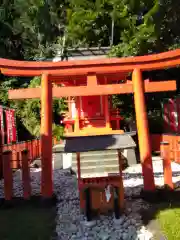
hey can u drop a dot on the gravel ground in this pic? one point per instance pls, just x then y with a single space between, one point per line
70 223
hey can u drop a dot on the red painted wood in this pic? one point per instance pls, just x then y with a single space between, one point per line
26 180
166 117
172 112
29 150
33 146
7 173
46 137
149 62
32 150
78 159
174 145
14 163
170 55
91 107
178 113
165 154
143 131
155 142
108 89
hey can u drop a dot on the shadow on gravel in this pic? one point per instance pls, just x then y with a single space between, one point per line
28 220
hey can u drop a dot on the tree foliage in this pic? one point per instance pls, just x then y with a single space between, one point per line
29 112
37 29
29 30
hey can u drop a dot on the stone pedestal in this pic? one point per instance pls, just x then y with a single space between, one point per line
67 160
130 155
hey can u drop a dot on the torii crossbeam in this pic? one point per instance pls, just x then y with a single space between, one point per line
89 90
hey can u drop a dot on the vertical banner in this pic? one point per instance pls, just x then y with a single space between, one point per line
8 126
165 110
11 126
2 125
13 121
173 115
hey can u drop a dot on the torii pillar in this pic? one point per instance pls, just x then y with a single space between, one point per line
46 137
143 130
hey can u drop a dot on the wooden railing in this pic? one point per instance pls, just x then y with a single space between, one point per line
32 146
174 144
15 156
8 175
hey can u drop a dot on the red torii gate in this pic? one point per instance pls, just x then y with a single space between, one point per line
61 71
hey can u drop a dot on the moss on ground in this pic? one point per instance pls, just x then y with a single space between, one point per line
169 221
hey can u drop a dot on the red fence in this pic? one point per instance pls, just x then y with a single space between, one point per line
174 144
19 155
8 174
33 147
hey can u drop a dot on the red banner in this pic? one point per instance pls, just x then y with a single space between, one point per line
8 126
2 125
172 115
11 126
166 117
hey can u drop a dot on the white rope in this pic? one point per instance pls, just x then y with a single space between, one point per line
108 193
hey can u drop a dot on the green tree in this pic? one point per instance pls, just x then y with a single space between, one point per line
37 29
29 112
29 30
89 23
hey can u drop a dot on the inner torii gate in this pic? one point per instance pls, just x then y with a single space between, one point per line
60 72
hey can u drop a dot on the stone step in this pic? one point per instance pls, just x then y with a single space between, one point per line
91 156
95 159
100 169
97 162
97 174
104 152
94 162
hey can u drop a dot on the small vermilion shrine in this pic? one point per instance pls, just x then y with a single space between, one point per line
95 113
90 127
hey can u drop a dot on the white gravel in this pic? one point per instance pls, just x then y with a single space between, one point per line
69 220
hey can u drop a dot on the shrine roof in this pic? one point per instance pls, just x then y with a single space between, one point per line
83 53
